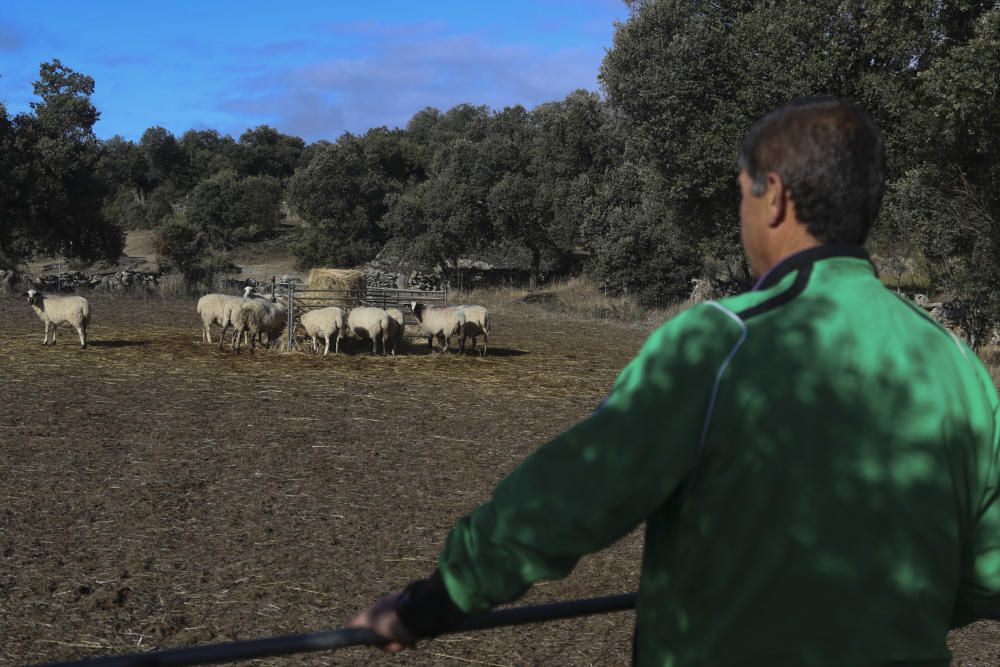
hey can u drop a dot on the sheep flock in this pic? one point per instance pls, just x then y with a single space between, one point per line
258 320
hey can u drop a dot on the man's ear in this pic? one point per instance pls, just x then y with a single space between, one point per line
778 196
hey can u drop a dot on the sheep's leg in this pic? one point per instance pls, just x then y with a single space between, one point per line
206 334
83 337
222 334
54 327
336 348
326 350
45 339
461 343
430 343
486 339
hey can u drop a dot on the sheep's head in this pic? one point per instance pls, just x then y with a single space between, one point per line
34 297
247 291
418 309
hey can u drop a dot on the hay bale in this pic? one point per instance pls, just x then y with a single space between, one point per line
343 279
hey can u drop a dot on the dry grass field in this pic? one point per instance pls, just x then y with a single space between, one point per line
159 493
156 492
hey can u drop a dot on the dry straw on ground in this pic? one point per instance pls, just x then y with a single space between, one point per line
160 493
205 497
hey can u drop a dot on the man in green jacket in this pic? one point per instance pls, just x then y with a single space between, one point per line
816 461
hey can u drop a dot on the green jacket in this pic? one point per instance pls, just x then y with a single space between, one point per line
816 462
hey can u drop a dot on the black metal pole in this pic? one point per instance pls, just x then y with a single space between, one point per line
211 654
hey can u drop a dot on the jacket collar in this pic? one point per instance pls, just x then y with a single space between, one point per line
807 257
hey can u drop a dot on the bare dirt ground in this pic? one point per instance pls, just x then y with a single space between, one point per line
158 493
140 248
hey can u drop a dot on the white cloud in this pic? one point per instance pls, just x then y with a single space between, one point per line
391 72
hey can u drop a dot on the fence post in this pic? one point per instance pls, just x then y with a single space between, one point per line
291 316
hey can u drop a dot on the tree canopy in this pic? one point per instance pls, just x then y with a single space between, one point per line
52 193
689 78
637 186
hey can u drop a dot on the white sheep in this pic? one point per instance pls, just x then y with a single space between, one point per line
258 316
370 322
397 329
56 310
477 323
441 322
217 309
325 323
249 293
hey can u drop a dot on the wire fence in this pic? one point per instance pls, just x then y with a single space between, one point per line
299 299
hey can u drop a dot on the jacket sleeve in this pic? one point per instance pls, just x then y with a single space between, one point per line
979 587
596 482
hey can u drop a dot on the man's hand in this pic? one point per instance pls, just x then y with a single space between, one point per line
382 619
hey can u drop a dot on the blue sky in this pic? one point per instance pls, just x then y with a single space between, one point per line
310 69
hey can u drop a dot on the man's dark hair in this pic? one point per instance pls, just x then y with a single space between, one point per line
830 155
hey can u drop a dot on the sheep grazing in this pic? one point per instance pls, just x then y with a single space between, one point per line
56 310
217 309
369 322
477 323
441 322
397 329
325 323
258 316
